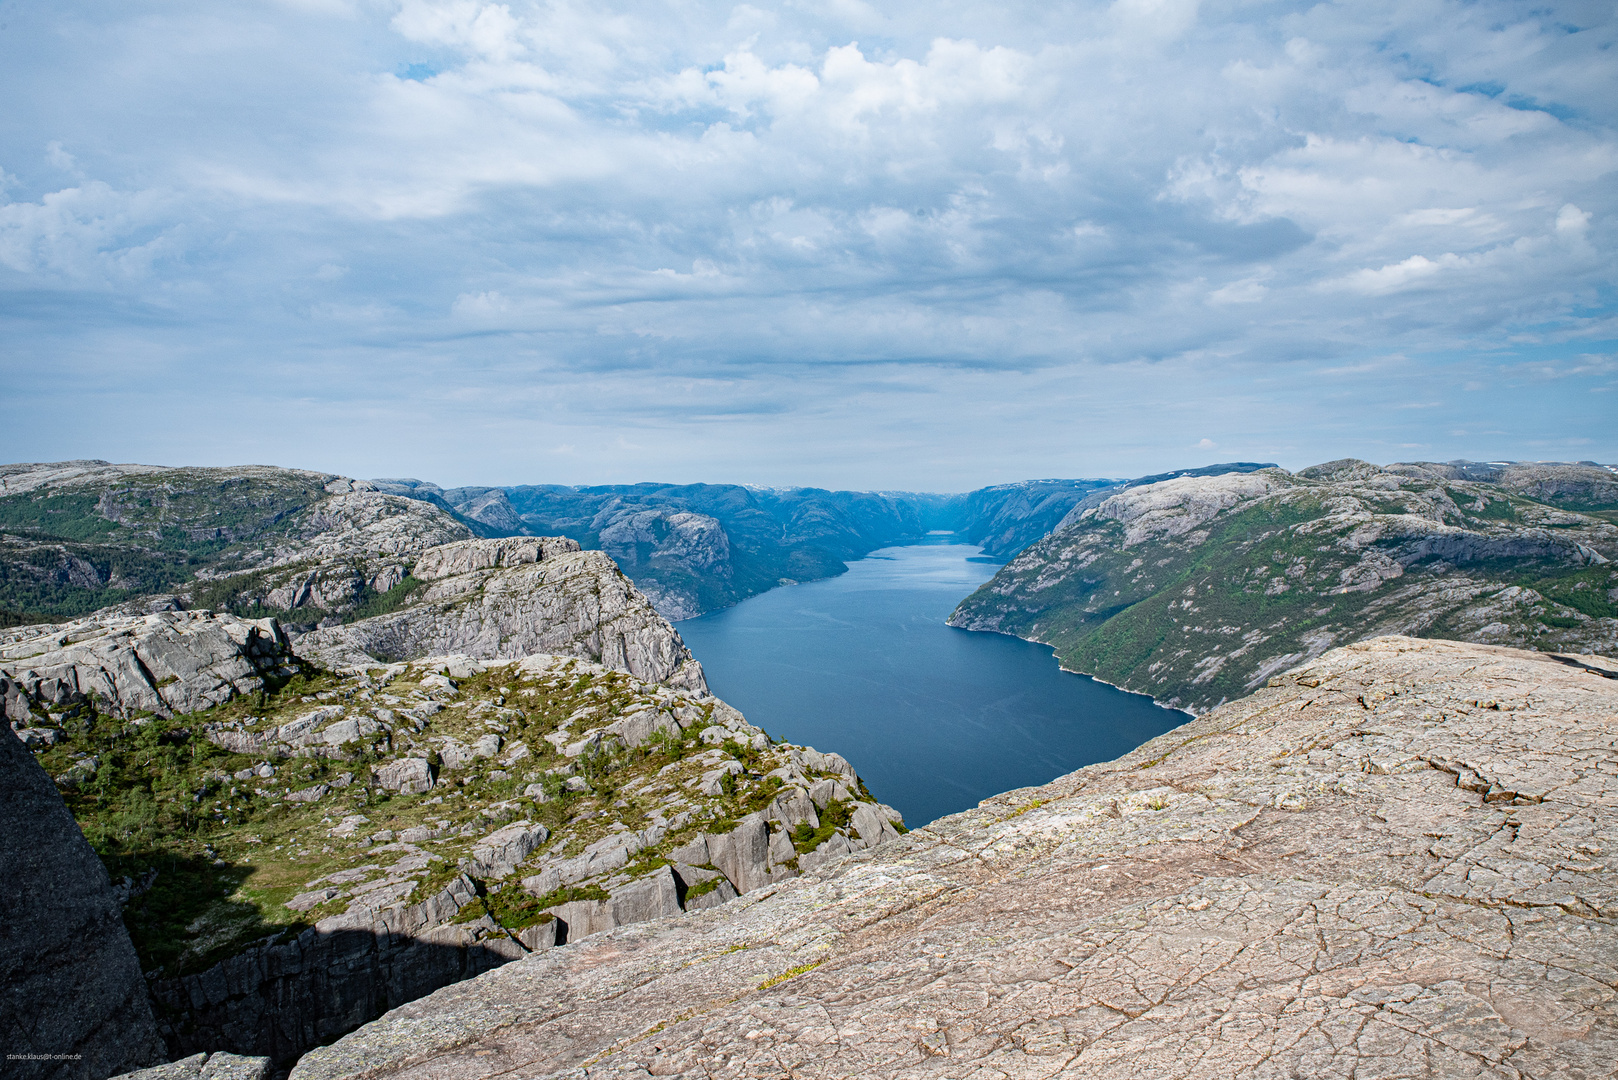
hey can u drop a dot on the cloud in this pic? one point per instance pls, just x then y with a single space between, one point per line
965 229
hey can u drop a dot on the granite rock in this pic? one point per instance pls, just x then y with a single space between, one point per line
1396 861
490 599
166 663
73 1005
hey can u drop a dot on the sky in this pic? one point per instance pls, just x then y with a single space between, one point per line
922 246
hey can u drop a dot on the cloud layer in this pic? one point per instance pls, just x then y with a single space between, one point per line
933 245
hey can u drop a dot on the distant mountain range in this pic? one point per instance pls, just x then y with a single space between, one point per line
699 547
1193 585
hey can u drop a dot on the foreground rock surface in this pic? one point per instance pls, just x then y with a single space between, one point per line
1396 861
72 1000
515 597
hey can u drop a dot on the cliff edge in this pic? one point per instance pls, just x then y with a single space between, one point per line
72 1001
1395 861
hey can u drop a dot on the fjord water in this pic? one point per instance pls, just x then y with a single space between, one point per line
933 718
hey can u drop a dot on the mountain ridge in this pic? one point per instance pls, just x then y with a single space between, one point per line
1195 589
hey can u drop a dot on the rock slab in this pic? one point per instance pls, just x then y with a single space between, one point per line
1400 860
73 1004
165 663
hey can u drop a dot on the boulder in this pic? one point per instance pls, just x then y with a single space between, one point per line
408 776
872 824
503 850
539 936
723 893
792 806
636 728
742 853
823 792
73 1004
646 898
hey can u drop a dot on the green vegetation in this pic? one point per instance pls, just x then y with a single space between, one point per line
836 816
229 850
1194 619
80 550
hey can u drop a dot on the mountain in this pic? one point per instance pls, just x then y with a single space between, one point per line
311 548
1394 862
1195 589
694 548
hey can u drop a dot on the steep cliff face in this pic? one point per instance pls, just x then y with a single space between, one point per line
1396 861
699 547
513 597
1196 589
73 1004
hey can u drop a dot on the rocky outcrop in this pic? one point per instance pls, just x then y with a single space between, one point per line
277 1000
469 556
426 822
513 597
165 663
205 1066
72 1001
1397 861
1196 589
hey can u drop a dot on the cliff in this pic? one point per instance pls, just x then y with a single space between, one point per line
301 850
1395 861
73 1004
513 597
1195 589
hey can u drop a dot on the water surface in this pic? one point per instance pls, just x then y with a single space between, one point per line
933 718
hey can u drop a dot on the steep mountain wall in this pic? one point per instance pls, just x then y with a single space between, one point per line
1197 588
73 1004
1397 861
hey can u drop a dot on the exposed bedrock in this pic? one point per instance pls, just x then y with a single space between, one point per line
278 1000
519 596
1396 861
166 663
72 1001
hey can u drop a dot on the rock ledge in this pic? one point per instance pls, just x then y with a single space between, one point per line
1396 861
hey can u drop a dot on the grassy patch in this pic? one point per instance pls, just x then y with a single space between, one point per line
789 973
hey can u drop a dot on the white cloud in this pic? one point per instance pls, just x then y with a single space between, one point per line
90 233
749 207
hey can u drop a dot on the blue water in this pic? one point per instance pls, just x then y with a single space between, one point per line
933 718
